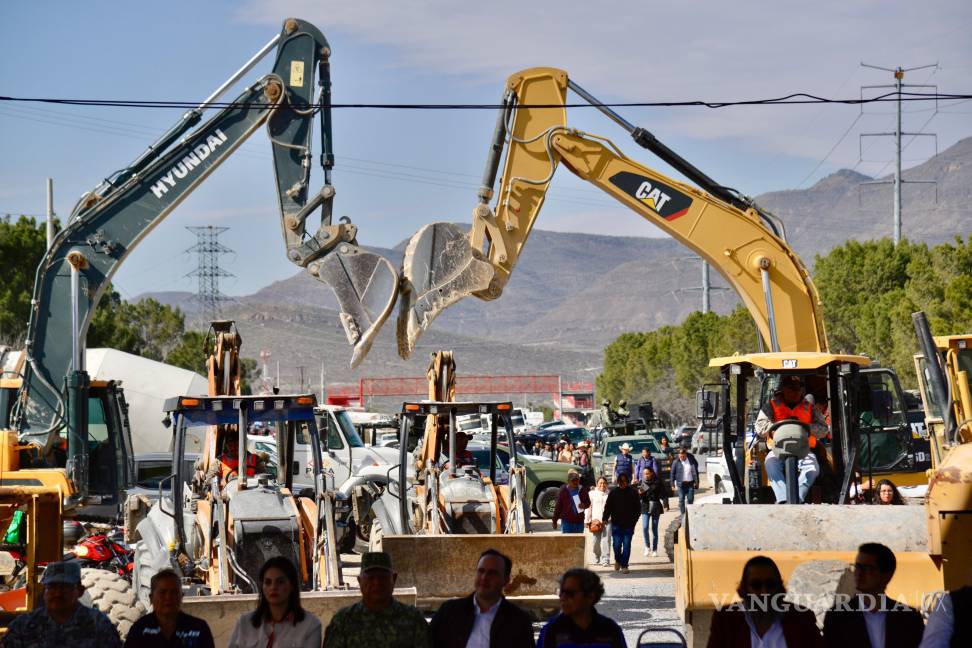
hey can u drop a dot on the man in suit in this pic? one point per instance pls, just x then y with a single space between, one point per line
871 618
763 616
484 619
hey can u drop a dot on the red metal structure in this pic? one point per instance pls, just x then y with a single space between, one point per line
551 384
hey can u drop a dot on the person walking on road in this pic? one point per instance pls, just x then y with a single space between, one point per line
572 500
167 625
485 618
62 621
645 461
279 619
622 510
378 619
579 623
685 478
653 500
594 521
624 464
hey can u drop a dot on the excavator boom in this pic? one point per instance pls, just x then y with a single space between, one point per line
443 264
110 221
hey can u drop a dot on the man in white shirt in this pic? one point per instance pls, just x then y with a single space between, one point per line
484 619
871 618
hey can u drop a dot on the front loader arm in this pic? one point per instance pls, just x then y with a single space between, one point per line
109 222
742 243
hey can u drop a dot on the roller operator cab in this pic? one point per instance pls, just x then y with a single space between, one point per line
864 428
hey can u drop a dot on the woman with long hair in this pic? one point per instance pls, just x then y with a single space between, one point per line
278 620
887 493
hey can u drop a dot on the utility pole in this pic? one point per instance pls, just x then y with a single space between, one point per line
50 212
323 393
706 288
300 369
898 84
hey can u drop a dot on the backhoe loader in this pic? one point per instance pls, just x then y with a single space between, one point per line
53 404
747 245
453 508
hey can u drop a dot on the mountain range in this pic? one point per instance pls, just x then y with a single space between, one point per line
572 293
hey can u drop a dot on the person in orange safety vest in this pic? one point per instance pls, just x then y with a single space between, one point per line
229 460
789 402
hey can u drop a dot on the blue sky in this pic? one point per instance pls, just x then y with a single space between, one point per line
397 170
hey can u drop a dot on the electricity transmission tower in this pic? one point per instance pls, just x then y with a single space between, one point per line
897 181
208 250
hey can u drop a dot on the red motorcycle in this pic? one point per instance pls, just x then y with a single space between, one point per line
103 551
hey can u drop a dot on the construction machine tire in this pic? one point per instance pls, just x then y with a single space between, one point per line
545 501
671 535
374 538
113 595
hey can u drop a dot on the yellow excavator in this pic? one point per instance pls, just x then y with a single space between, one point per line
813 545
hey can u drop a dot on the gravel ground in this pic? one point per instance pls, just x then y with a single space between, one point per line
644 597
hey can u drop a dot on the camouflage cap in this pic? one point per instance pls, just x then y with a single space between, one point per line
62 572
376 560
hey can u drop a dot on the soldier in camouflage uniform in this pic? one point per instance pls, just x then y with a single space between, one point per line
63 621
379 620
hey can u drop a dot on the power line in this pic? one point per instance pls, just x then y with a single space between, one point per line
797 98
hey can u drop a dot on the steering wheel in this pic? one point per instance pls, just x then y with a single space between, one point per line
787 421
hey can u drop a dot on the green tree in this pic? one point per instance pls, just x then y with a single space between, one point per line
22 246
188 352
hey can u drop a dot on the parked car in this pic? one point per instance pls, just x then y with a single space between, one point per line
683 436
706 440
543 477
607 451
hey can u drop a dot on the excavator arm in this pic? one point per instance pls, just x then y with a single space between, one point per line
746 245
110 221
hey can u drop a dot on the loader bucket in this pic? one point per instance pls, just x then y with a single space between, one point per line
441 567
813 545
440 267
366 286
222 611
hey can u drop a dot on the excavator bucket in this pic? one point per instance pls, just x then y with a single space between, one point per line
366 286
440 267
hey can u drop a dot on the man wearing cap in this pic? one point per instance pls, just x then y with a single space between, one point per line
624 464
789 402
378 620
63 621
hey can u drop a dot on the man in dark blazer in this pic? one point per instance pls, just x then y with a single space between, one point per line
484 619
871 618
763 616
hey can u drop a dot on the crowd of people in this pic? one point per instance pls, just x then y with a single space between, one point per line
763 615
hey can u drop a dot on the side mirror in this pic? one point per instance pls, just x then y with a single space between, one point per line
707 403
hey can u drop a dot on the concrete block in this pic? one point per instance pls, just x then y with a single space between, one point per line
444 566
222 612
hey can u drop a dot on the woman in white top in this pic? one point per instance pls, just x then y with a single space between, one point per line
279 621
594 513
